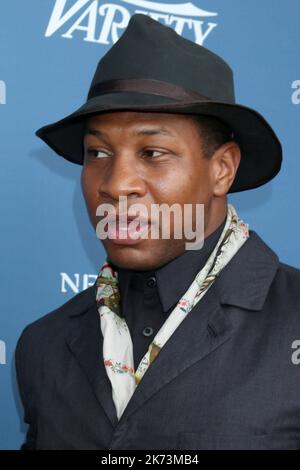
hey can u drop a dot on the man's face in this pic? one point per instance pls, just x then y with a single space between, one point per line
150 158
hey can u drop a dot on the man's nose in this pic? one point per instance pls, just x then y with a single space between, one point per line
122 178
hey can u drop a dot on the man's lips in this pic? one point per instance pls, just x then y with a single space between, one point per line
122 222
122 229
129 218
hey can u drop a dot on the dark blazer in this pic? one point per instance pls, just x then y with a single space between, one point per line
224 380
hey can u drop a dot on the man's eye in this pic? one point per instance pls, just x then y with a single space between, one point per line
152 151
102 154
97 153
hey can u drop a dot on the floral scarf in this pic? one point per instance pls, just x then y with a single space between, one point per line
117 343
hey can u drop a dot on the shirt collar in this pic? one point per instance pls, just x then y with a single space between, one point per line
175 277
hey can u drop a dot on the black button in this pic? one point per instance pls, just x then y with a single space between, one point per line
151 281
147 331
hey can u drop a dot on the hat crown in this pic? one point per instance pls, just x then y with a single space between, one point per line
150 50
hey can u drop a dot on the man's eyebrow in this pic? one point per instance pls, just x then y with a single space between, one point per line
95 132
143 131
154 130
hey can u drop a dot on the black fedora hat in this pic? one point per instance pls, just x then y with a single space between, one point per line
152 68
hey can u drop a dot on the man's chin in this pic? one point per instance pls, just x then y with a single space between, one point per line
143 256
131 258
122 255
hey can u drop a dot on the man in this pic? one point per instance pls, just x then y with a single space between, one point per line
171 348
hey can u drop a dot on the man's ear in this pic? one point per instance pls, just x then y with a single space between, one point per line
225 163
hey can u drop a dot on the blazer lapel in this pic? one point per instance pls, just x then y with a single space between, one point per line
203 330
85 342
244 282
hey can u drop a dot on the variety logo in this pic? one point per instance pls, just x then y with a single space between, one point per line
104 23
2 352
77 282
296 94
2 92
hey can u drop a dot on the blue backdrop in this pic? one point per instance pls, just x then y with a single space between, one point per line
49 51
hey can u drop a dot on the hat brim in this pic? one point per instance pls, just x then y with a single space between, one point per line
260 148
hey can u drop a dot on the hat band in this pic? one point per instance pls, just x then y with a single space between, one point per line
144 85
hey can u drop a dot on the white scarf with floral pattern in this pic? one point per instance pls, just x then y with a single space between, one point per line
117 343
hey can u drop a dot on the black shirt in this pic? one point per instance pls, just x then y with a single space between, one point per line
148 297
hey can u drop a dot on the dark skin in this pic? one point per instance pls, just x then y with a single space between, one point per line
153 168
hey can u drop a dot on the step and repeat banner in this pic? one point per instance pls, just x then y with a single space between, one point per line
49 51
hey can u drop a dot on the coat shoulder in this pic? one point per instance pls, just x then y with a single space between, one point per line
289 276
285 291
291 271
53 323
